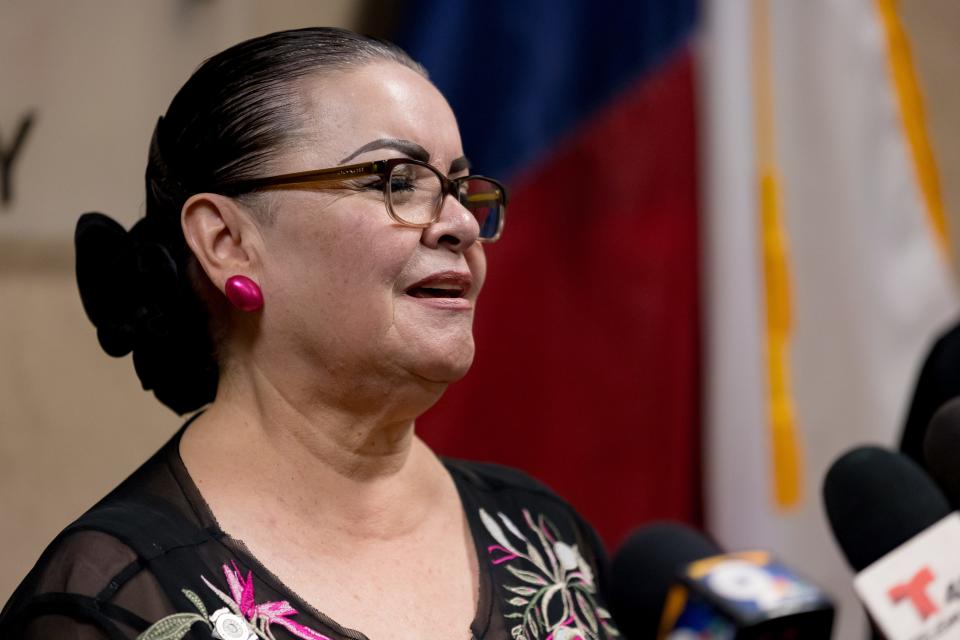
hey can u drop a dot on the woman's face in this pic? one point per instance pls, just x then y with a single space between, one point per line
343 283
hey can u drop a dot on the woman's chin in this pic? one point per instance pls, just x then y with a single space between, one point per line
446 367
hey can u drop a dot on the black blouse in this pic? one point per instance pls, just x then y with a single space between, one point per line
149 561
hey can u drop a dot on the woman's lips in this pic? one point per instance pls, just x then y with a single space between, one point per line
443 290
443 284
450 304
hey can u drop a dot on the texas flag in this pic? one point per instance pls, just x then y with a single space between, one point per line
587 371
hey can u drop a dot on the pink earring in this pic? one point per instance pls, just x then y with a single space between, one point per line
243 293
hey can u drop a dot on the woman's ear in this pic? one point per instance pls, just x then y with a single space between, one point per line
222 236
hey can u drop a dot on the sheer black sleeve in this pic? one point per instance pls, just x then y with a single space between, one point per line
88 585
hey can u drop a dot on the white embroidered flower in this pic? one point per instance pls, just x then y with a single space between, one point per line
570 559
567 554
230 626
566 633
585 568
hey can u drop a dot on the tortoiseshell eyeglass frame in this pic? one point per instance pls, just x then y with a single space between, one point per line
383 169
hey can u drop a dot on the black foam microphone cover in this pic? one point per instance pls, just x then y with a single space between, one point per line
876 500
938 382
941 449
644 568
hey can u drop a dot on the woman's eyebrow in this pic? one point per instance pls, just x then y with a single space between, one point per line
406 147
460 164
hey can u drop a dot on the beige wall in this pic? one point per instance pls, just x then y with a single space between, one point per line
73 421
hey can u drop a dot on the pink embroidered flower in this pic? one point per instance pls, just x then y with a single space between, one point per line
241 619
241 600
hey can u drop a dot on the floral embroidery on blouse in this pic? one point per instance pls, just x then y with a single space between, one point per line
555 597
241 619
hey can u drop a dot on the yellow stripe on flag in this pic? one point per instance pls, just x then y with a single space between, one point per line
784 438
911 113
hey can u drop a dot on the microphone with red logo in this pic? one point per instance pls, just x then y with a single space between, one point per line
898 533
667 581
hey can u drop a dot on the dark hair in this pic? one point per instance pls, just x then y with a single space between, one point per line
234 114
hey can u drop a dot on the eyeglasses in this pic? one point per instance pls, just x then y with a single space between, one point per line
413 191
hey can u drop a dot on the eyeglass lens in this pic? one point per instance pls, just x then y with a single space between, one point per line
416 195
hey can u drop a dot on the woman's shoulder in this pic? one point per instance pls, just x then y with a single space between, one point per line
547 563
96 578
79 562
88 584
493 477
509 492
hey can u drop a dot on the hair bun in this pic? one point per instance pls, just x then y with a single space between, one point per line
104 252
125 283
134 295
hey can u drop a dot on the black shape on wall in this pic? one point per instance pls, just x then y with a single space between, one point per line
8 157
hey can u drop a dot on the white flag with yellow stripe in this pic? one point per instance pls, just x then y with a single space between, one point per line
826 265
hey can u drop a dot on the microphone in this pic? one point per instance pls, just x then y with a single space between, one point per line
897 531
941 447
938 382
668 581
643 570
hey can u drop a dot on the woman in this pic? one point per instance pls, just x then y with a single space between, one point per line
308 267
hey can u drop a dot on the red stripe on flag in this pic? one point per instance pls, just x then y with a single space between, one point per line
587 366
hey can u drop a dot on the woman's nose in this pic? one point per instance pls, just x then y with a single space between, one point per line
456 228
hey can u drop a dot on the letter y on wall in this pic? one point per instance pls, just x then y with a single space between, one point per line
9 153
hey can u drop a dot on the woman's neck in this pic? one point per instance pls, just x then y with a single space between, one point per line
363 471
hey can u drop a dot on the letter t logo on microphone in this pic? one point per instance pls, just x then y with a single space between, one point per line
915 590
